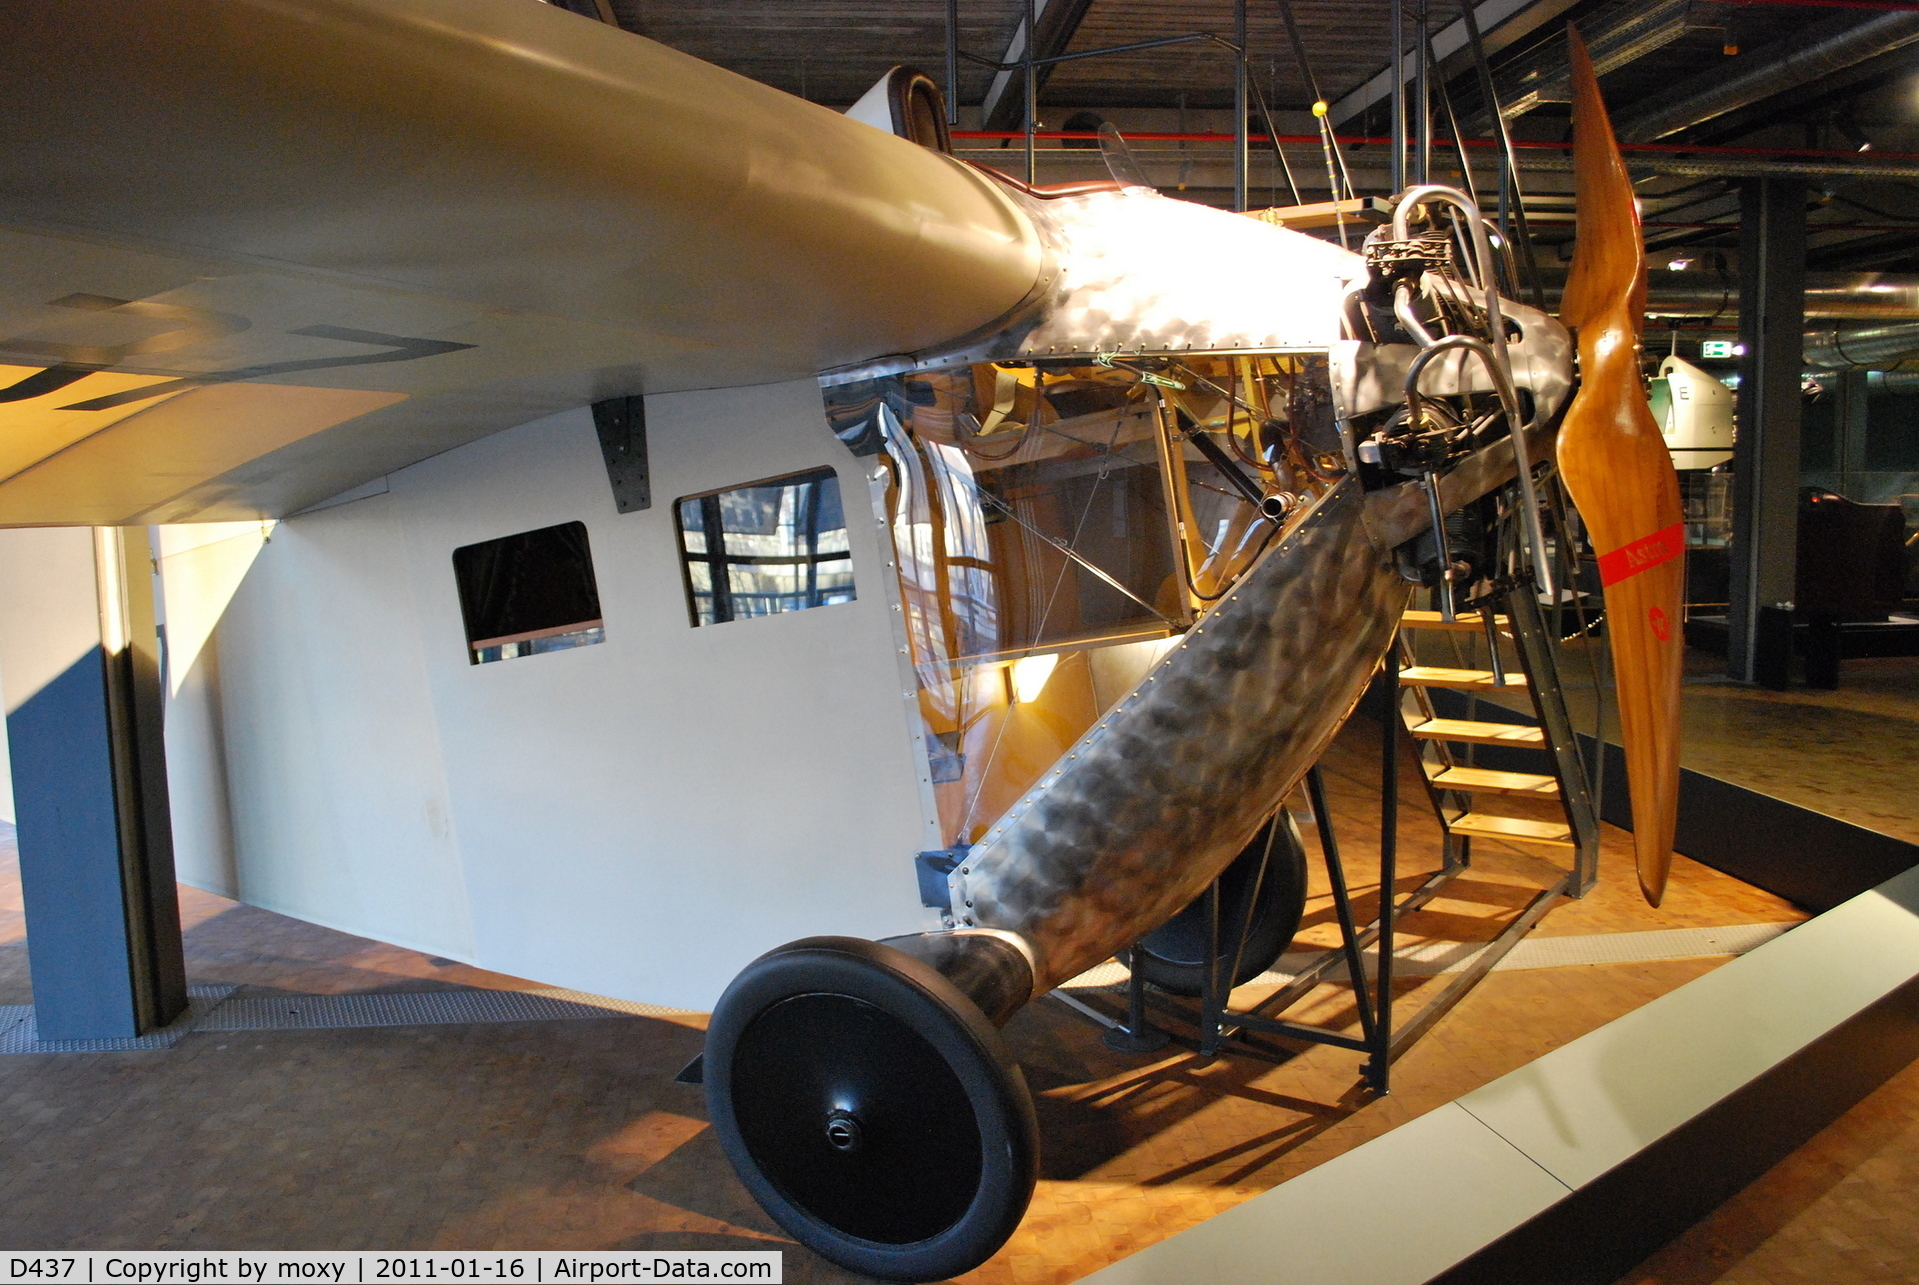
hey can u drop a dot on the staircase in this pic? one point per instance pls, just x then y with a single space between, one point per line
1467 798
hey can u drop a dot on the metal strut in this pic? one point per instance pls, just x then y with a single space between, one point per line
1382 1038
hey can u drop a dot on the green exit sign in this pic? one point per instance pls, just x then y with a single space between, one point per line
1716 349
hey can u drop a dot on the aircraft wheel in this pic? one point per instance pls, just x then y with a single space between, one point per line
1170 957
871 1109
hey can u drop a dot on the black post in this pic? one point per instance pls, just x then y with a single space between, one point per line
1211 1004
952 62
1772 312
1240 107
1378 1067
1398 30
1423 110
1138 1035
1032 85
1854 418
1342 902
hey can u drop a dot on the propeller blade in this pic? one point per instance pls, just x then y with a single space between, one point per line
1621 476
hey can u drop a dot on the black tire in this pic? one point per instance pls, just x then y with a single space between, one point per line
871 1109
1172 955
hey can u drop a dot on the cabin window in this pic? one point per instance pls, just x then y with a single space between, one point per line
529 593
772 546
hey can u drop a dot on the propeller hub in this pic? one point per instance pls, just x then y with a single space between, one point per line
843 1131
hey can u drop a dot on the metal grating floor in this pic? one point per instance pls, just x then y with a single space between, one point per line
17 1033
215 1008
425 1008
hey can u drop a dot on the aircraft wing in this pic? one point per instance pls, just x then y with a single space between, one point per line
256 252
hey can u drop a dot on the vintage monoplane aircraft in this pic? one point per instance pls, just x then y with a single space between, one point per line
1114 502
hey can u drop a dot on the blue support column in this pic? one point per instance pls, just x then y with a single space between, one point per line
80 673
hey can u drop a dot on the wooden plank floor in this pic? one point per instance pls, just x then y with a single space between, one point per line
571 1134
1842 1209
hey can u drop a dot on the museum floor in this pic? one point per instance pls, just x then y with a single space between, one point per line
570 1133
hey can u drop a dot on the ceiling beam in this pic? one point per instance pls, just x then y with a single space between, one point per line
1544 75
1863 252
1806 57
1004 106
1504 22
1810 102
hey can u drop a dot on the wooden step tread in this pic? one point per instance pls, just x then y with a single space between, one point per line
1470 620
1482 780
1488 826
1460 729
1460 679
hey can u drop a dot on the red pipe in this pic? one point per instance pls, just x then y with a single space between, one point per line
1896 5
1734 227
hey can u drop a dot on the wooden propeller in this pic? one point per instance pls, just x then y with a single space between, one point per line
1621 476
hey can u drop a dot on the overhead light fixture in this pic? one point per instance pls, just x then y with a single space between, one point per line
1679 265
1030 675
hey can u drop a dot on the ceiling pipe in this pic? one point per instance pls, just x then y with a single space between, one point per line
1892 381
1693 167
1869 346
1782 66
1830 296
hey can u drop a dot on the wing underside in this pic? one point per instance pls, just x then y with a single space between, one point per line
256 252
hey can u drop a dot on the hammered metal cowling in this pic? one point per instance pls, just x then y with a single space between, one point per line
1153 802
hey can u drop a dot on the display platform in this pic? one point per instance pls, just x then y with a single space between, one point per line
1574 1167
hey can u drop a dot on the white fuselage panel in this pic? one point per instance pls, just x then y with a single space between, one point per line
637 818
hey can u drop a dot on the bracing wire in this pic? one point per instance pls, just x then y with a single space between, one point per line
1272 131
1329 146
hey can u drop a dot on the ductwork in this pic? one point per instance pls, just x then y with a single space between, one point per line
1830 296
1778 68
1892 381
1736 167
1870 346
1545 77
1844 296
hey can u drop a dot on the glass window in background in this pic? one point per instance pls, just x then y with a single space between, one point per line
773 546
524 594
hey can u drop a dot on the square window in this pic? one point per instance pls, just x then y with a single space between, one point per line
528 593
777 545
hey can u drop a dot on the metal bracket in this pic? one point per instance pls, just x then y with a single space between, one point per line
621 424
